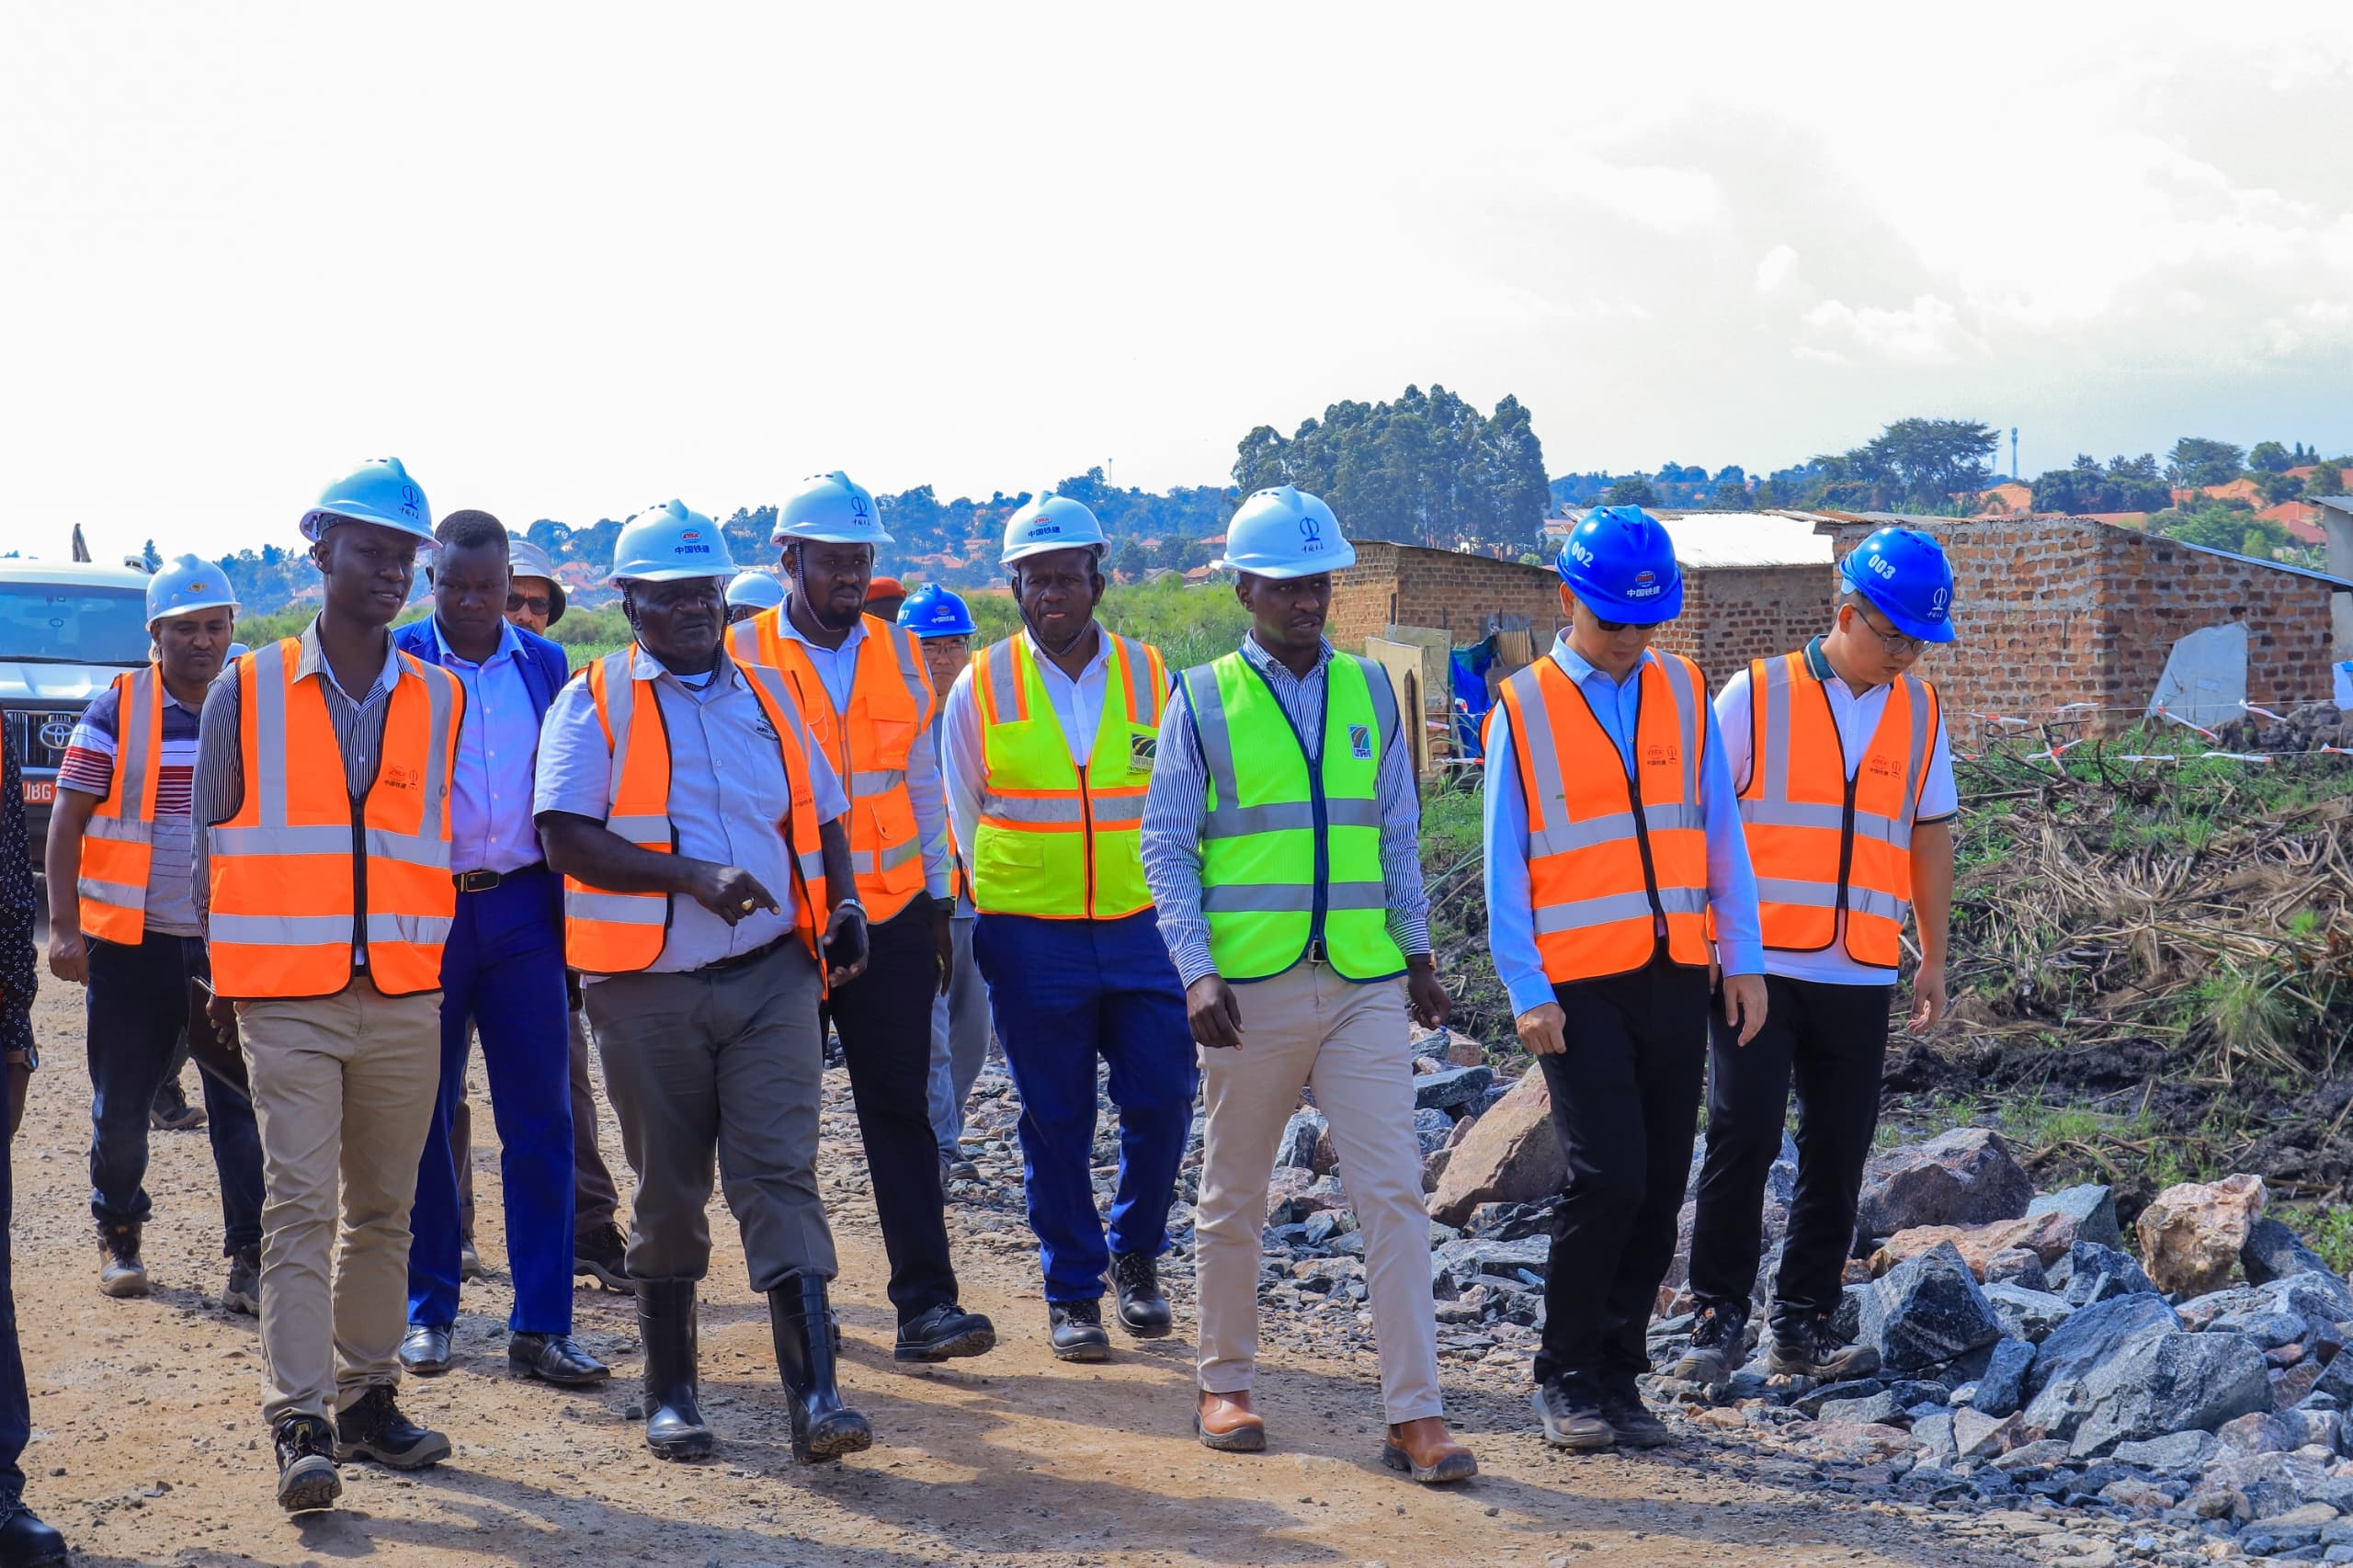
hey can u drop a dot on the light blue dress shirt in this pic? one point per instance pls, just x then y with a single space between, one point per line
1511 925
490 793
728 795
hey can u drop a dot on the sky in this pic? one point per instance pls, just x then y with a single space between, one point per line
571 261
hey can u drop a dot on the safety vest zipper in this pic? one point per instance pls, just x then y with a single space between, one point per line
1086 838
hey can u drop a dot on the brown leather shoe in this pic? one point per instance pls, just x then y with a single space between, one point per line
1426 1450
1227 1423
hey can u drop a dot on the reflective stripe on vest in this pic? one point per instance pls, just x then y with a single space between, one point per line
889 712
289 869
118 843
619 933
1291 853
1612 859
1820 841
1051 841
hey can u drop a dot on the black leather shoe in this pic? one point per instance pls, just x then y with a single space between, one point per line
555 1358
803 1323
306 1475
1143 1311
374 1428
603 1255
665 1321
26 1542
424 1350
1078 1331
944 1332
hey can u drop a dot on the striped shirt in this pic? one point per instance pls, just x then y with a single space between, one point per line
1180 798
88 766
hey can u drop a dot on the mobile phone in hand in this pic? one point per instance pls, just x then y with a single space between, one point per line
847 949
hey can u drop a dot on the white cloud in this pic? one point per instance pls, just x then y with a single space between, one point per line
1775 268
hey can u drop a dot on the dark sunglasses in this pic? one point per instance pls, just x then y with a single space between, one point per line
537 603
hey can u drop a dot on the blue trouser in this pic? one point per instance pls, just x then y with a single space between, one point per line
1063 993
138 1006
502 970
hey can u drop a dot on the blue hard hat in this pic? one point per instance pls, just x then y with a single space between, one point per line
933 611
1621 563
1904 574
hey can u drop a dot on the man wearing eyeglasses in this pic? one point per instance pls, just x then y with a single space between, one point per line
1847 794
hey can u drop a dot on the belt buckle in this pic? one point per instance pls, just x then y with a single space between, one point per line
1316 954
476 881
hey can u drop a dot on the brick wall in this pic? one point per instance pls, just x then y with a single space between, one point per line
2054 610
1407 585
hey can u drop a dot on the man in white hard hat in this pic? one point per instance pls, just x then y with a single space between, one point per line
698 827
750 592
326 955
123 921
868 702
1048 741
1281 838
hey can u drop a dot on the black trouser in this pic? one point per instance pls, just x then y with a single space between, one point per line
1831 1040
1626 1104
885 1018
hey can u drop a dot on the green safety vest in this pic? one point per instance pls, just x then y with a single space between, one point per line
1290 854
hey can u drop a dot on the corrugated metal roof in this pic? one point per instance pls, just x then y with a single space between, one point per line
1725 539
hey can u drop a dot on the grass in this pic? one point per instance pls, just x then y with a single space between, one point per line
2327 1228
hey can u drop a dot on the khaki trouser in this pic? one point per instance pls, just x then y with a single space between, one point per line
1309 1026
343 1088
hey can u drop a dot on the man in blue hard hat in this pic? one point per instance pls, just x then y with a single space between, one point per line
1618 889
1846 791
943 626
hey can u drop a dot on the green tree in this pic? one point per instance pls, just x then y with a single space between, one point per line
1730 497
2328 479
2270 457
2279 487
1922 465
1128 561
2197 462
1635 492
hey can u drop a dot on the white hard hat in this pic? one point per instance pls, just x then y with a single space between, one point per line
664 543
758 589
378 491
1051 522
833 509
187 582
1285 532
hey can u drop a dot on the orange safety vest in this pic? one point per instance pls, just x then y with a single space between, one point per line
619 932
891 705
1611 856
1821 841
118 844
303 872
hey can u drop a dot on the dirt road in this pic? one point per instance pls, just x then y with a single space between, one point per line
148 1446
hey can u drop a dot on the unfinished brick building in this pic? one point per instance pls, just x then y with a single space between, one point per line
2054 611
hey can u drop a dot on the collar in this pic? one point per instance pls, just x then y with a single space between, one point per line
511 645
1045 662
643 665
784 628
1256 651
1577 668
313 662
1817 664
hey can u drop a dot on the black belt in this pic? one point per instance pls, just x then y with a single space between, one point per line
483 881
755 956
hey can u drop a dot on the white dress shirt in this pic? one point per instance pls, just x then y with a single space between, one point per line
1078 707
490 791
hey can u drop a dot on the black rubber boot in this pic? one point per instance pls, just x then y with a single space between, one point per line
665 1321
823 1427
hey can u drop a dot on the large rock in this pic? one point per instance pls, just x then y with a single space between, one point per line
2091 1336
2030 1315
2002 1390
2191 1236
1301 1134
1513 1156
2091 1206
1926 1311
2174 1383
2094 1273
2176 1451
1455 1086
2048 1238
1962 1177
2274 1252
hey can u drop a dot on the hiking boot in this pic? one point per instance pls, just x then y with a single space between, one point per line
1807 1348
27 1543
1572 1419
306 1473
120 1271
956 1167
1426 1450
1143 1311
171 1112
468 1261
372 1428
666 1325
802 1322
1633 1421
1078 1329
942 1331
603 1253
1719 1336
242 1292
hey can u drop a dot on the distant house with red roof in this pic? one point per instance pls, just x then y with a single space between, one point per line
2002 500
2301 519
2245 490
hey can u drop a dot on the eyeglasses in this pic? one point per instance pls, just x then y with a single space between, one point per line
1894 642
537 603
